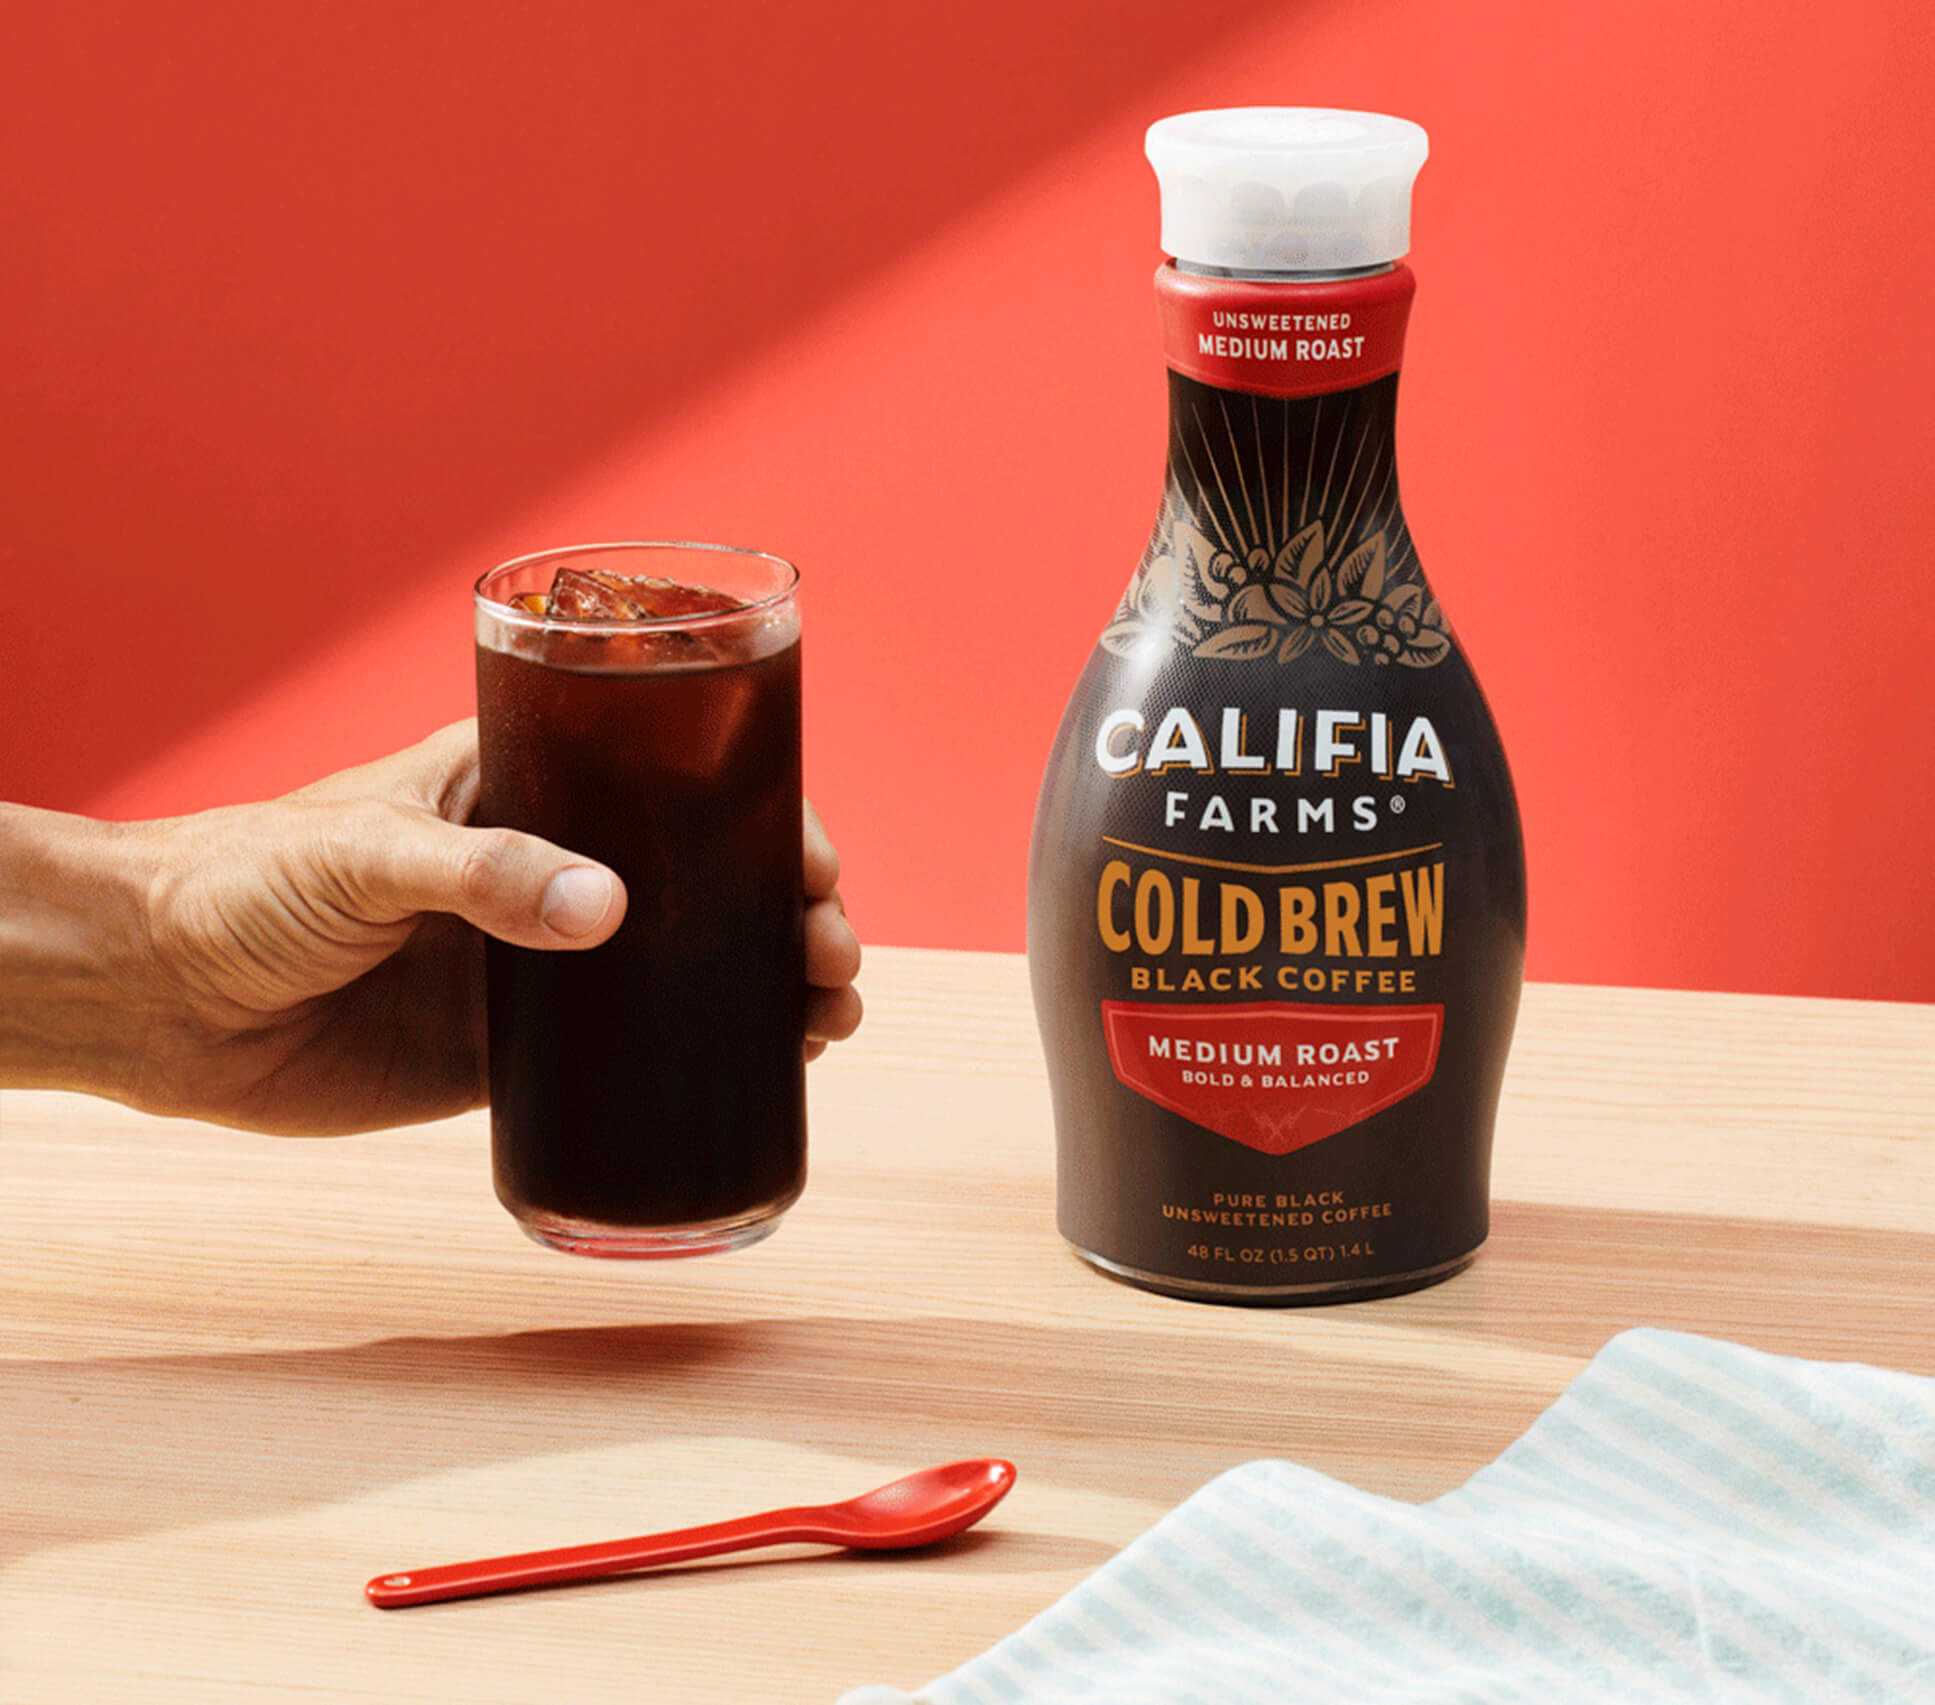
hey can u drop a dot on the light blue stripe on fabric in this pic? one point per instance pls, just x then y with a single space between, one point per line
1421 1634
1699 1514
1570 1589
1314 1637
1783 1496
1799 1455
1022 1659
1736 1520
1172 1591
1294 1629
1417 1632
1570 1594
1730 1547
1669 1609
1691 1520
1376 1635
1158 1572
1288 1579
1763 1492
1891 1457
1457 1579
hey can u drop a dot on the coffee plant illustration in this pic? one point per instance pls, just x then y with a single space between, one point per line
1194 594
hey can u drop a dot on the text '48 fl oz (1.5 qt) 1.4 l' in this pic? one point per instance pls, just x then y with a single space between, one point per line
1276 920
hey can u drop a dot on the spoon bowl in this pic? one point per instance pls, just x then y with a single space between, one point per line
920 1509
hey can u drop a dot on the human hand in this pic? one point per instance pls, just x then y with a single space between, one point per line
311 964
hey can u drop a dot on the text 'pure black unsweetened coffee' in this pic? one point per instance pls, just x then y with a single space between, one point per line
1276 916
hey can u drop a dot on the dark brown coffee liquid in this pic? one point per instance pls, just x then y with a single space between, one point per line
655 1080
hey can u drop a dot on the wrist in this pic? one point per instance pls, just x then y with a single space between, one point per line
78 994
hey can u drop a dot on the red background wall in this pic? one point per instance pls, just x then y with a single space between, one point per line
309 312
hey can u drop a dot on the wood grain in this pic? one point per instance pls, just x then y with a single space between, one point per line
241 1375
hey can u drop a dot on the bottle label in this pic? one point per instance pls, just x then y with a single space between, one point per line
1273 1076
1283 339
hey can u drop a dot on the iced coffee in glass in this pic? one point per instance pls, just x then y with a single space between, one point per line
640 704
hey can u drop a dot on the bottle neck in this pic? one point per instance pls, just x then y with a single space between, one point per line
1283 408
1283 335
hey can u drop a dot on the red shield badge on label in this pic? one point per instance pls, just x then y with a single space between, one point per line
1275 1076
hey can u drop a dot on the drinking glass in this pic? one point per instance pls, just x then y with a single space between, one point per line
647 1095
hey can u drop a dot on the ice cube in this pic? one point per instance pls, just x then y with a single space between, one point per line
591 595
660 648
586 595
668 600
645 635
531 603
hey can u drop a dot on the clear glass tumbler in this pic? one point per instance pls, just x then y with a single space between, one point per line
648 1095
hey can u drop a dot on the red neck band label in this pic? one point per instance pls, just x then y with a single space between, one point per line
1284 340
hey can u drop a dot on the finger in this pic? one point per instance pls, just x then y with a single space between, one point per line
822 861
519 888
439 772
442 770
832 1015
812 1051
832 949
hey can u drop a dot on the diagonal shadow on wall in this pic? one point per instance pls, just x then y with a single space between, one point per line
304 299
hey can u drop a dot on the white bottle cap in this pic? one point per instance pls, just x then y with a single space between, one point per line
1286 189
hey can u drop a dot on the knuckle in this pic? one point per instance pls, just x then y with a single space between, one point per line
488 857
370 822
344 859
395 816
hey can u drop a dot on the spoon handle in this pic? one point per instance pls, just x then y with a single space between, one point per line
591 1562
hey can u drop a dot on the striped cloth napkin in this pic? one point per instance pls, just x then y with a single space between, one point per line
1691 1520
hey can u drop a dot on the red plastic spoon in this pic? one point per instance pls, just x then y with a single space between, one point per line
921 1509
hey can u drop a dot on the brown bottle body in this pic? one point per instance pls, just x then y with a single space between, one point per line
1276 889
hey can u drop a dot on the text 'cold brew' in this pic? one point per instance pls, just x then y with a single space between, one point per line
1276 894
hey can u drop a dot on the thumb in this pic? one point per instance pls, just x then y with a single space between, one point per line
516 887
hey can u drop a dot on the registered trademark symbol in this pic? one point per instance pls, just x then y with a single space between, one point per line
1397 804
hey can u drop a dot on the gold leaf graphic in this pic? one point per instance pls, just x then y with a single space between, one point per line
1242 643
1300 556
1290 600
1191 546
1253 604
1156 589
1202 572
1229 598
1126 639
1197 603
1428 648
1361 574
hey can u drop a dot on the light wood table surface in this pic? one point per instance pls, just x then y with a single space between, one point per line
241 1375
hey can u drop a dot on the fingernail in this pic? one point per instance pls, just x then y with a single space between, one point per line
577 900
